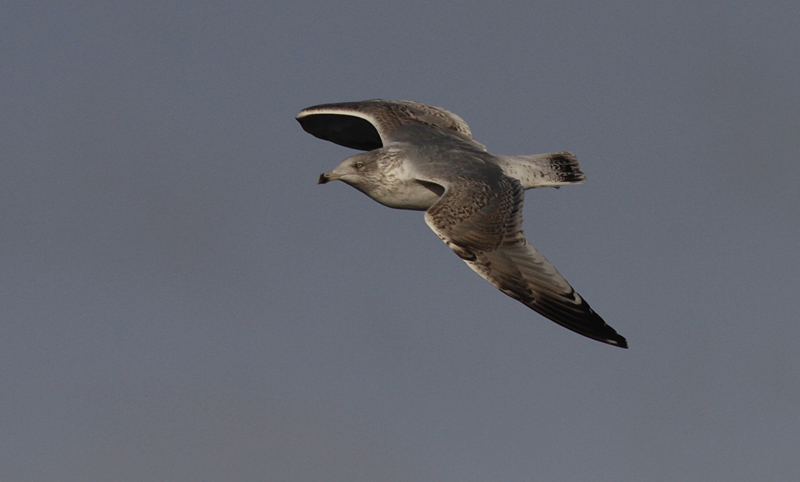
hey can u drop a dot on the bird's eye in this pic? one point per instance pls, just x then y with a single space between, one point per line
359 165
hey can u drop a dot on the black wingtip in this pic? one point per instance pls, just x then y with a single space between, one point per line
619 341
593 326
587 322
607 334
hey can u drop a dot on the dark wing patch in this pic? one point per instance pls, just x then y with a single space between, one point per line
345 130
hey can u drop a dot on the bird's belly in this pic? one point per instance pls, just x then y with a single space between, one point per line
408 195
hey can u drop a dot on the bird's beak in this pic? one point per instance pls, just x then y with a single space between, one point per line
327 177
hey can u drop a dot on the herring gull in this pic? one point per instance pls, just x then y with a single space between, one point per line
423 158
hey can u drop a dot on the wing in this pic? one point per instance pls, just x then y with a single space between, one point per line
370 124
482 222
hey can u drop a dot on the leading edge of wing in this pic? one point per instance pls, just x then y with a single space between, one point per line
369 124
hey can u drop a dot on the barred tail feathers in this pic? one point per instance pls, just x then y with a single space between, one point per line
553 169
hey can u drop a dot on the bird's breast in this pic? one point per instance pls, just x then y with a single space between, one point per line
406 195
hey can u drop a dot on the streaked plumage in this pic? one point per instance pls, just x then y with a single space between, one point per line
424 158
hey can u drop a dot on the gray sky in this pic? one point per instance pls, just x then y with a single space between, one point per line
180 302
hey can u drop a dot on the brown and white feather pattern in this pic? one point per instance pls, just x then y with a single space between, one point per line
386 116
424 158
482 224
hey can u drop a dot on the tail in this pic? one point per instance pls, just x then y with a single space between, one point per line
553 169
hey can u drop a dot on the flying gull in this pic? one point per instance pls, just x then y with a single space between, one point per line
424 158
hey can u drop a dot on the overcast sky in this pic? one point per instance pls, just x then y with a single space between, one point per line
179 301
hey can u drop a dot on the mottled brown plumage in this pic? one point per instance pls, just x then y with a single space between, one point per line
424 158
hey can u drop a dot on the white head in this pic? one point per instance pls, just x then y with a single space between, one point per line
382 175
359 171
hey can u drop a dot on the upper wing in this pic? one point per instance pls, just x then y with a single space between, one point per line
481 222
369 124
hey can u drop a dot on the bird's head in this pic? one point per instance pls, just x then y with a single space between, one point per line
355 170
